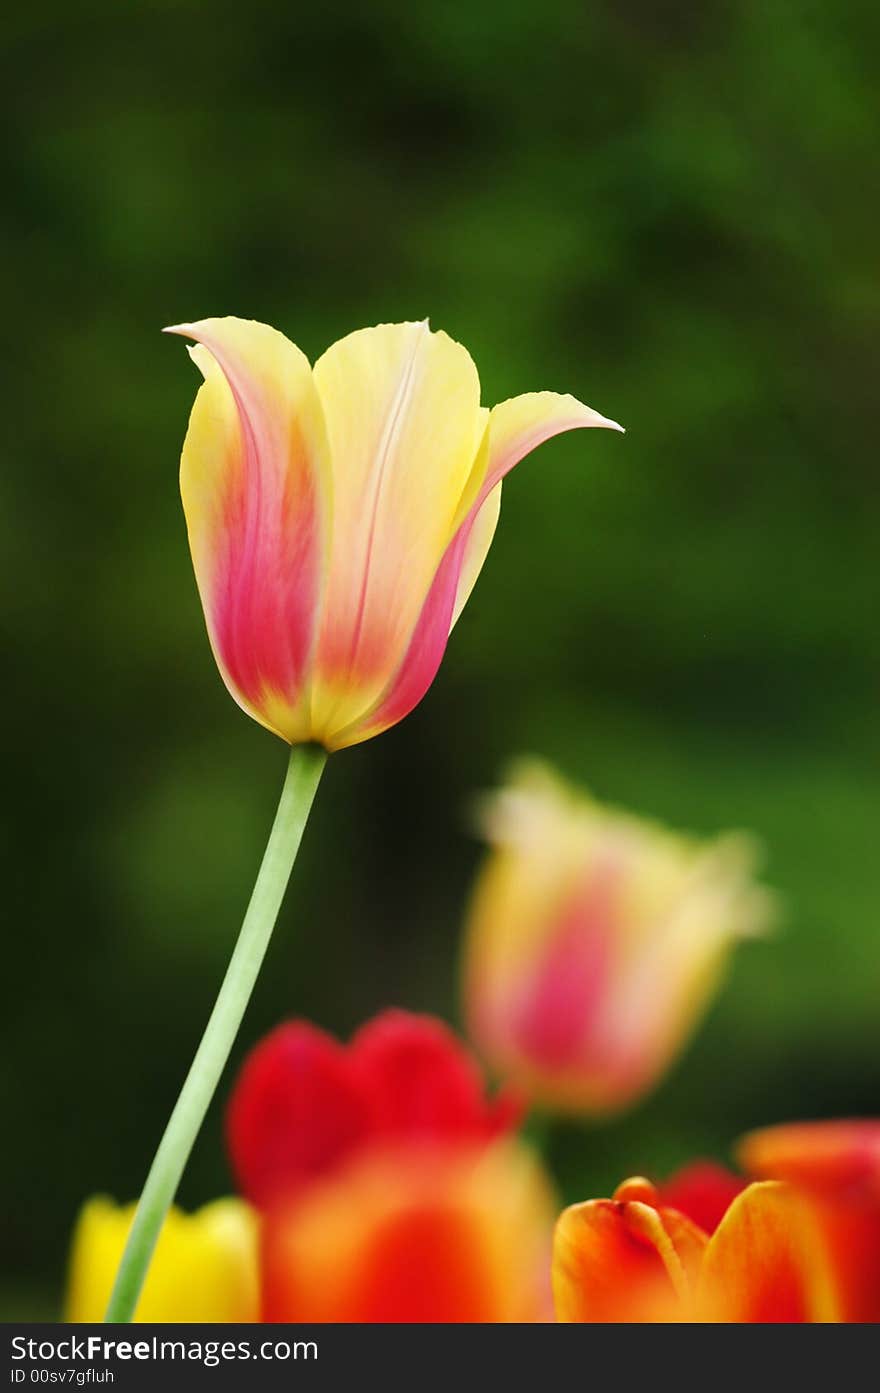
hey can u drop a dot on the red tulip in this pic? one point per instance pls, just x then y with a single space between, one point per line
304 1104
388 1187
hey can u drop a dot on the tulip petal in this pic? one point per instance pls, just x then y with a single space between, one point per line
413 1237
703 1191
404 424
516 427
476 550
837 1164
520 424
623 1260
298 1110
303 1105
766 1263
835 1155
254 479
423 1084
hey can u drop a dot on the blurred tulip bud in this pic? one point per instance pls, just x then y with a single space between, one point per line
204 1269
422 1234
304 1105
595 940
389 1186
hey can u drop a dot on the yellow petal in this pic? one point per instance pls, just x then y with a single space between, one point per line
477 549
404 424
520 424
516 427
766 1263
204 1267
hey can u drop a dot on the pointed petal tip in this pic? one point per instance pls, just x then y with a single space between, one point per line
612 425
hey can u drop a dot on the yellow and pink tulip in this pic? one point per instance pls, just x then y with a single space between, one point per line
339 514
594 942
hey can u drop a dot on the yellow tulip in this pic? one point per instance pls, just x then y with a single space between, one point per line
205 1266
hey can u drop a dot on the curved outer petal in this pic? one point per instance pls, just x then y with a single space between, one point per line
421 1237
204 1267
837 1164
475 551
767 1262
625 1260
255 482
516 427
402 406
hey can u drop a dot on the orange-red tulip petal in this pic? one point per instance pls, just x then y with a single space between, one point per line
766 1263
419 1236
304 1104
836 1164
627 1259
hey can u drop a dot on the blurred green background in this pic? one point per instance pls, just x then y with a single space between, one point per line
669 210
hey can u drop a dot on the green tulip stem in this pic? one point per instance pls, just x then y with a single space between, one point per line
303 775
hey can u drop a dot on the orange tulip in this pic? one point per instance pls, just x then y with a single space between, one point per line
632 1259
595 941
414 1236
837 1165
801 1244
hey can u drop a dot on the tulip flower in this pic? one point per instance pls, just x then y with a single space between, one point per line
414 1237
205 1266
799 1244
303 1104
632 1259
338 518
340 514
594 942
837 1165
390 1186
